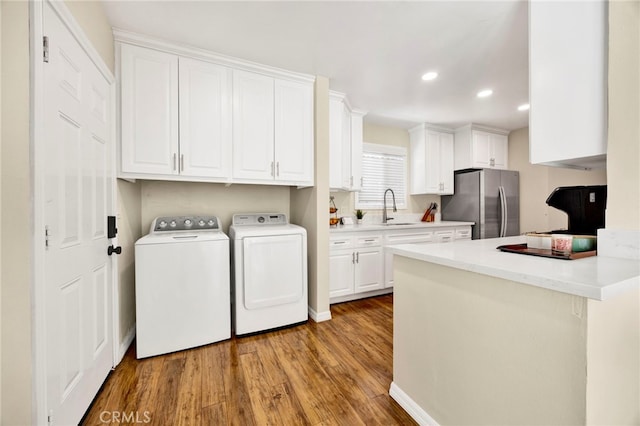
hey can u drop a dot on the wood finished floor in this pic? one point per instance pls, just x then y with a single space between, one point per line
336 372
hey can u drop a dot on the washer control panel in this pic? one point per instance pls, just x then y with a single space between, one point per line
185 223
260 219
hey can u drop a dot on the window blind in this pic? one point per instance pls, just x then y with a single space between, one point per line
382 168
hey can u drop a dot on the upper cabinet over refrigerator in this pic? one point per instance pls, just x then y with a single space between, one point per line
568 83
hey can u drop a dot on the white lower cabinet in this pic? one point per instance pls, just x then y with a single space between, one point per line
360 267
355 264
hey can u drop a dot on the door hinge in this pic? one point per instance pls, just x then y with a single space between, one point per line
45 49
50 417
46 236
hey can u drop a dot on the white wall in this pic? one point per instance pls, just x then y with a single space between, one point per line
623 144
161 198
16 229
309 207
471 349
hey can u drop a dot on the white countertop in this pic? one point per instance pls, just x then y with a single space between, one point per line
392 226
594 277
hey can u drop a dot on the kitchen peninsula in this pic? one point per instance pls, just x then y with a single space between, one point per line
486 337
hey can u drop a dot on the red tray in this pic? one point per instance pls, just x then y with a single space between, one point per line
523 249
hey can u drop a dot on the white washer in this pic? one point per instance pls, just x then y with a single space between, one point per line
269 272
182 285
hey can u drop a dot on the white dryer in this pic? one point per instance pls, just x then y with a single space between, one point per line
182 285
269 272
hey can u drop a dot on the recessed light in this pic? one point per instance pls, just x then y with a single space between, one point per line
523 107
485 93
431 75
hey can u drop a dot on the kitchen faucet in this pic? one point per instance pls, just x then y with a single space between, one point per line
385 218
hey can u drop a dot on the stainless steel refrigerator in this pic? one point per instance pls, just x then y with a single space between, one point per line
488 197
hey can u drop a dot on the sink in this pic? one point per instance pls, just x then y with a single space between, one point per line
399 223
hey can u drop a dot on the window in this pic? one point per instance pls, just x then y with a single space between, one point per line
383 167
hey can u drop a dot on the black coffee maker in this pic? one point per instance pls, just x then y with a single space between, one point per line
584 206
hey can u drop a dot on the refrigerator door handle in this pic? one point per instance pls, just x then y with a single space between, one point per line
503 211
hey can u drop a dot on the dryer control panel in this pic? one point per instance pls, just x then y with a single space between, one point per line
257 219
185 223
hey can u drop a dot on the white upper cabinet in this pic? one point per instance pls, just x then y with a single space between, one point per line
294 132
192 115
481 147
345 144
253 126
149 107
431 160
205 119
568 83
272 129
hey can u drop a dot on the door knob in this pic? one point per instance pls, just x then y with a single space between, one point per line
111 249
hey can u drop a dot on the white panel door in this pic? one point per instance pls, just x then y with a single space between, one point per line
369 272
294 132
274 272
149 101
205 119
253 126
77 199
341 265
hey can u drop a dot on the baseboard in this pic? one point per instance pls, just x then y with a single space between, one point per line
357 296
126 342
319 316
411 407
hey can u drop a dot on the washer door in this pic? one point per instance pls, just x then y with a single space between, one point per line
273 270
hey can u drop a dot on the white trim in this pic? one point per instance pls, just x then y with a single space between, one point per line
126 342
319 316
36 122
482 128
384 149
416 412
123 36
357 296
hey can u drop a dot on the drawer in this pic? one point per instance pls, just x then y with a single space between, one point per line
408 238
337 243
444 236
368 241
463 234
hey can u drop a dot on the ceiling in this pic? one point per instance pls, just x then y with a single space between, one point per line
374 52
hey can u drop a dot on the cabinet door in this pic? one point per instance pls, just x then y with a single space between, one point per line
336 107
446 163
357 139
253 126
205 119
347 177
432 154
481 152
294 132
499 151
149 110
341 264
369 269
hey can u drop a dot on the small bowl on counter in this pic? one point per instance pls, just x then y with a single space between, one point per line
584 243
579 243
539 241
